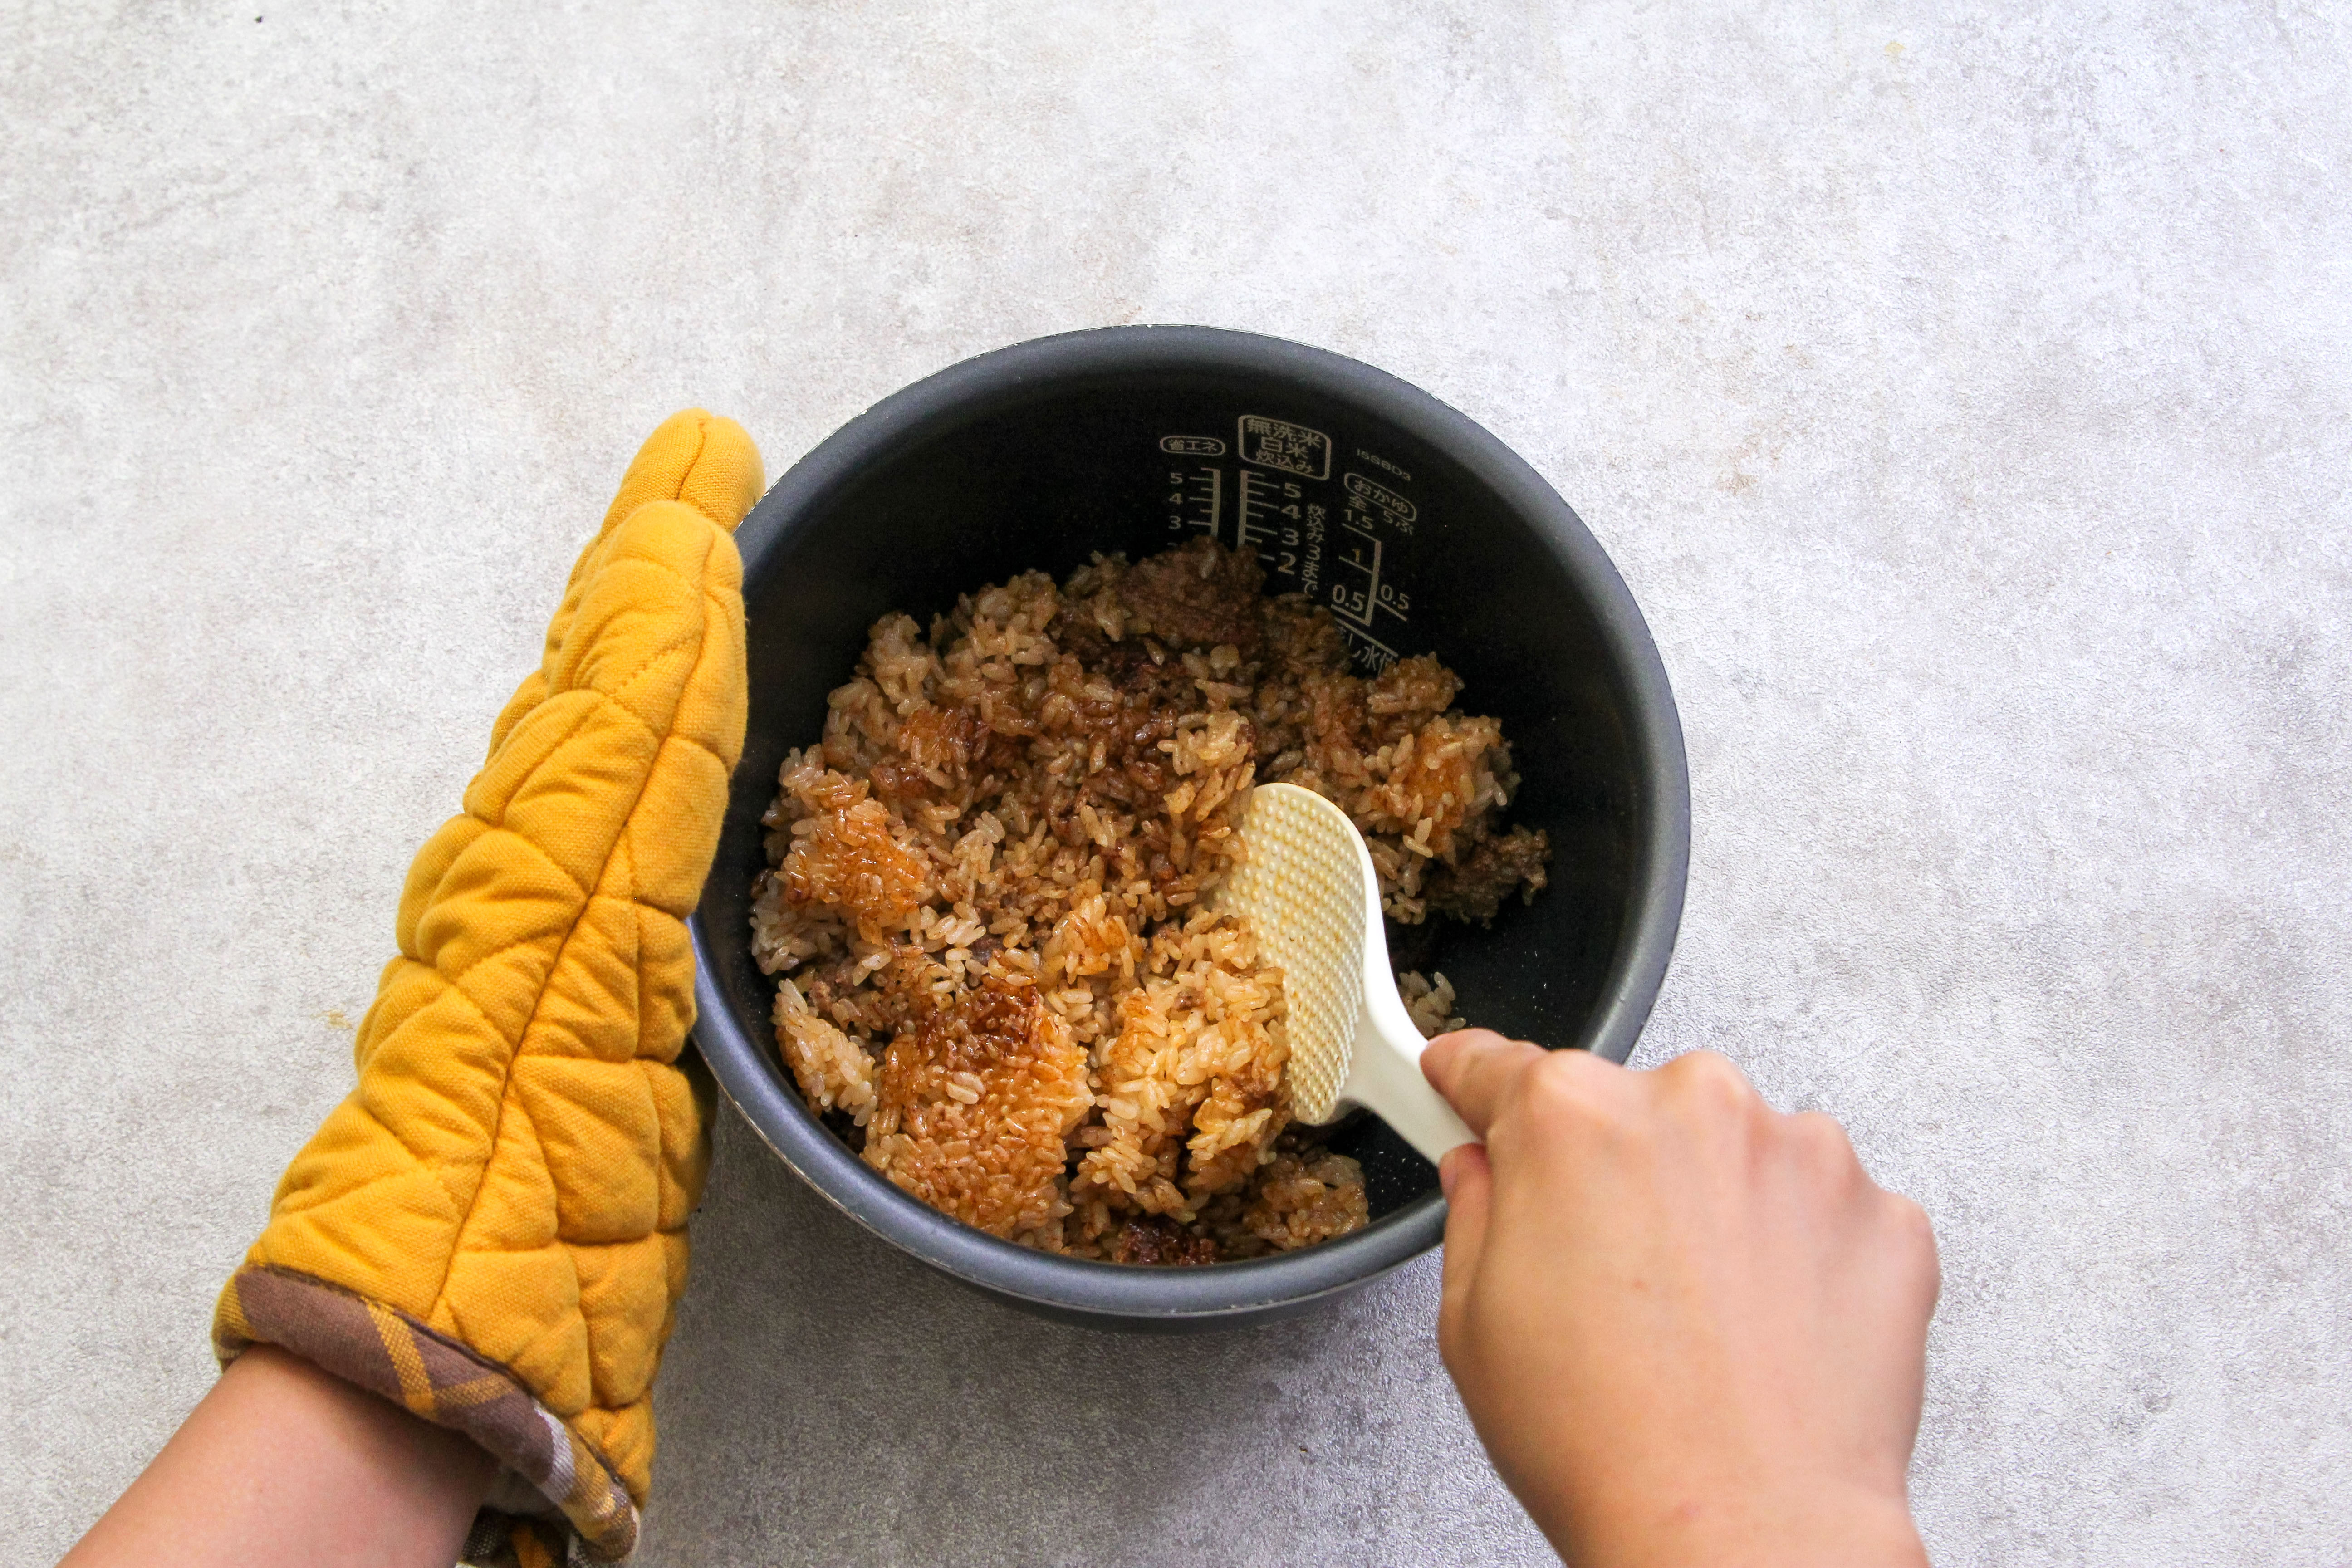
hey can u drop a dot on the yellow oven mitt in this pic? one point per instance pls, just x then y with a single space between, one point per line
491 1229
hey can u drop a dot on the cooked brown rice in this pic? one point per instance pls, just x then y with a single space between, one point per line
989 900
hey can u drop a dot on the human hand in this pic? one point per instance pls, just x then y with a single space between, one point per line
490 1231
1689 1329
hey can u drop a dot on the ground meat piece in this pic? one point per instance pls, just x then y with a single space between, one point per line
1198 596
1160 1241
1474 889
1308 1198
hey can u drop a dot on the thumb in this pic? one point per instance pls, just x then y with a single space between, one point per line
1469 1184
699 458
1478 1073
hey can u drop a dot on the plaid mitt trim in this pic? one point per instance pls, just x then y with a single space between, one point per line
390 1354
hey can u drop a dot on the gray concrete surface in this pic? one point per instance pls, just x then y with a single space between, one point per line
1966 394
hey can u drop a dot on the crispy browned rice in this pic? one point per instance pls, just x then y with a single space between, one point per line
989 898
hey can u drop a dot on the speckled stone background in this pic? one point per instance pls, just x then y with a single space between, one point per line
1965 393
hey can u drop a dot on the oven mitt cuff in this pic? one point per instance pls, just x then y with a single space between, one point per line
490 1230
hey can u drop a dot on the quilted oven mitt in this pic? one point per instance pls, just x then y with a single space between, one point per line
491 1229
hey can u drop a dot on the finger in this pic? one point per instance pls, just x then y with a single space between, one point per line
1912 1241
1477 1071
698 459
1709 1079
1469 1185
1821 1148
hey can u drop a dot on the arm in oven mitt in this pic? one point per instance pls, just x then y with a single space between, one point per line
490 1231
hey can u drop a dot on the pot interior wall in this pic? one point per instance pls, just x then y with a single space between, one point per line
1411 551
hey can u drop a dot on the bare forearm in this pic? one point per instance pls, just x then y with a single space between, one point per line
282 1464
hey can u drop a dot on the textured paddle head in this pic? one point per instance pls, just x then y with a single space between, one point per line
1307 885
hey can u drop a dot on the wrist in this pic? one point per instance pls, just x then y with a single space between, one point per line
1797 1524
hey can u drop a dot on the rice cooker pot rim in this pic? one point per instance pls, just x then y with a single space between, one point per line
1110 1296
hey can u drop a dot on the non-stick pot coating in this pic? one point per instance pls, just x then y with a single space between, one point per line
1421 532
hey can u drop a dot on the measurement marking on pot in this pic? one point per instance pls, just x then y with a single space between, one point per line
1401 512
1266 520
1278 443
1358 609
1196 499
1337 554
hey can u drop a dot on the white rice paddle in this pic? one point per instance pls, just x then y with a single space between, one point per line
1307 886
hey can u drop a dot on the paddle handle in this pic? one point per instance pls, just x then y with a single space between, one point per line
1384 1077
